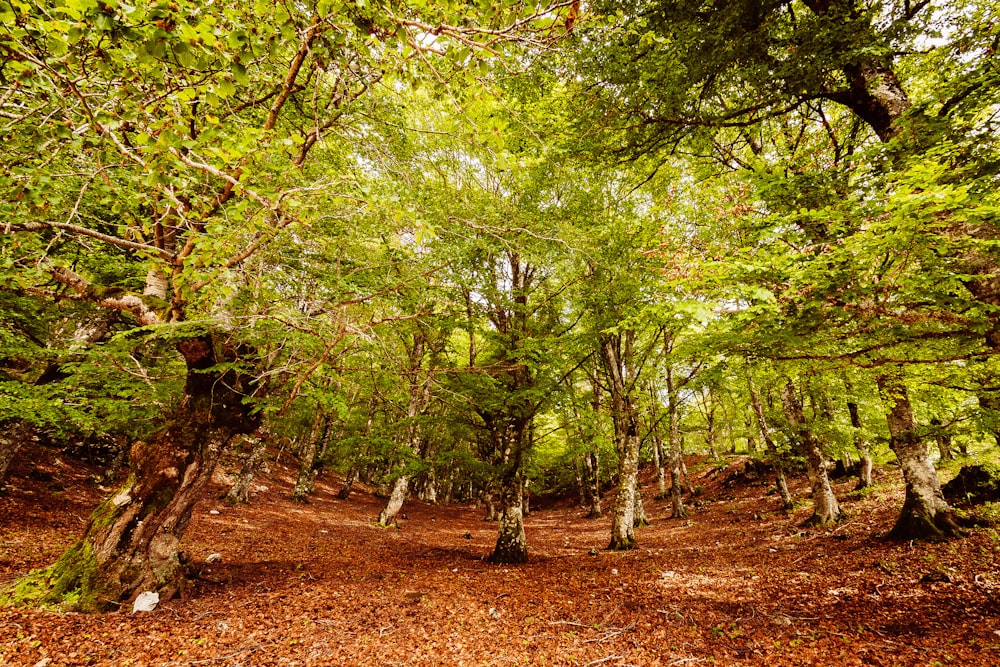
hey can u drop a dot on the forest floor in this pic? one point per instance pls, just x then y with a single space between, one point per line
738 583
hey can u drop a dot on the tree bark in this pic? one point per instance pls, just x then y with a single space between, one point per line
418 398
239 492
623 522
305 483
678 511
926 515
787 502
512 545
581 485
639 513
865 463
661 469
593 470
132 541
826 510
617 364
13 433
397 496
349 479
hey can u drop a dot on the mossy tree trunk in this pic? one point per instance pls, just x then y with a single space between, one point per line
132 542
826 509
926 515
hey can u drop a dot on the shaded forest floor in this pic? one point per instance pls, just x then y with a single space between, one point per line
738 583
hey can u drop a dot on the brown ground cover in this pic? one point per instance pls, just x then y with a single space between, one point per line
738 583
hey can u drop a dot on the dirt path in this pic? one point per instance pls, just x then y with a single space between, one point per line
318 584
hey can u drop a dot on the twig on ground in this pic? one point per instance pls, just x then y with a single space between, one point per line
601 661
580 625
610 633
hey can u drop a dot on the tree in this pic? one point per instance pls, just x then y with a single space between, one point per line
177 135
729 81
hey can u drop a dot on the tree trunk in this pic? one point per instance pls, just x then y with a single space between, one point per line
429 489
787 502
659 454
239 493
593 469
678 511
865 463
684 474
623 522
418 397
826 510
617 364
13 433
661 469
926 515
132 541
512 545
710 435
943 440
491 508
639 513
397 496
349 479
305 483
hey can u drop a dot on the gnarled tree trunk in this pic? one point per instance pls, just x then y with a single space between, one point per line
926 515
132 541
